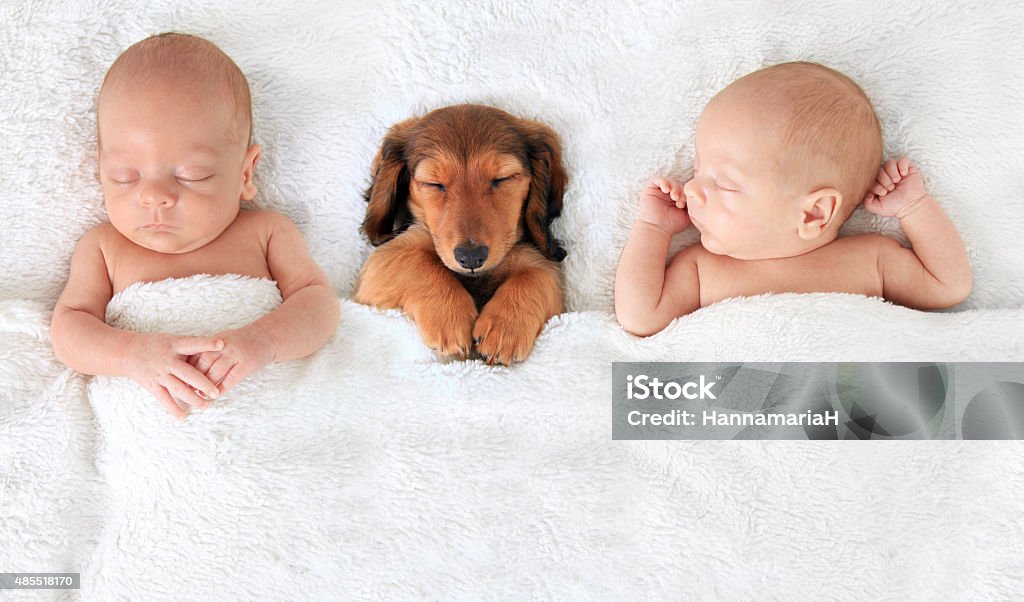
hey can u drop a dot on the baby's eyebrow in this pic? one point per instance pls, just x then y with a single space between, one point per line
204 150
106 152
207 152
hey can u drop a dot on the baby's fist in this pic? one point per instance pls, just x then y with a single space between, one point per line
898 189
662 203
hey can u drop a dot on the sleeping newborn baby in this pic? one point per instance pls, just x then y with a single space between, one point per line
174 127
783 157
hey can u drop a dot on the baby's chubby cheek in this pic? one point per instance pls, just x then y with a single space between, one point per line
709 243
714 244
698 222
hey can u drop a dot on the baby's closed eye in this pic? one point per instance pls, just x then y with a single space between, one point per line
123 176
195 178
726 185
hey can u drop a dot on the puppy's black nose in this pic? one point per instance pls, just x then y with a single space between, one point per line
470 256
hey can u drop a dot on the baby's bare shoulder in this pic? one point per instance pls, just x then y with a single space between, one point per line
869 248
695 253
99 233
263 221
103 238
867 244
706 262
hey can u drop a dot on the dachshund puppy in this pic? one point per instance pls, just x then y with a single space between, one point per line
460 207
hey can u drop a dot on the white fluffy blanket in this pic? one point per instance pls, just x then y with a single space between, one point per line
375 470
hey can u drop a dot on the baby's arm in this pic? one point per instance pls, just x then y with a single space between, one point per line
647 295
933 274
306 318
84 342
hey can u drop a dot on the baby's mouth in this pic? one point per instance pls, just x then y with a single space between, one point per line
157 227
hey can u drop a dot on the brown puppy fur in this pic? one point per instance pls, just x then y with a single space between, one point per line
461 205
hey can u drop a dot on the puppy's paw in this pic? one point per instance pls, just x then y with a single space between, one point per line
503 337
448 328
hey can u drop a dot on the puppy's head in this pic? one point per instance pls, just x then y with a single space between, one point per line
478 178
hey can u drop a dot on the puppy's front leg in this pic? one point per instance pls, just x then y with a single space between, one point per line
530 293
406 273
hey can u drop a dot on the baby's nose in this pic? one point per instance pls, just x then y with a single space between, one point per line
156 195
693 192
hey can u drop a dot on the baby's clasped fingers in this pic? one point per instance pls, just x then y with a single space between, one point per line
182 394
219 369
197 345
203 361
199 388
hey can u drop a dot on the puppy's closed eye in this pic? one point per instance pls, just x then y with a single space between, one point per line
434 185
496 182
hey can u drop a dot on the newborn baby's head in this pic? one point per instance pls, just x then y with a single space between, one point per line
174 124
784 156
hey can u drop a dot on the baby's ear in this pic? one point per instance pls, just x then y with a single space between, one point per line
819 211
252 156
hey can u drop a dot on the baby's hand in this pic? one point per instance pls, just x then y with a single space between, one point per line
245 351
158 363
898 190
663 204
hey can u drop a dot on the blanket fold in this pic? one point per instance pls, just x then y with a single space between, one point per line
373 462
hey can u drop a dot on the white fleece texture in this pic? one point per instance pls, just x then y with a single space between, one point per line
376 470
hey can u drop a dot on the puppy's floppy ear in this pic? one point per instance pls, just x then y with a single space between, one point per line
387 198
547 185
